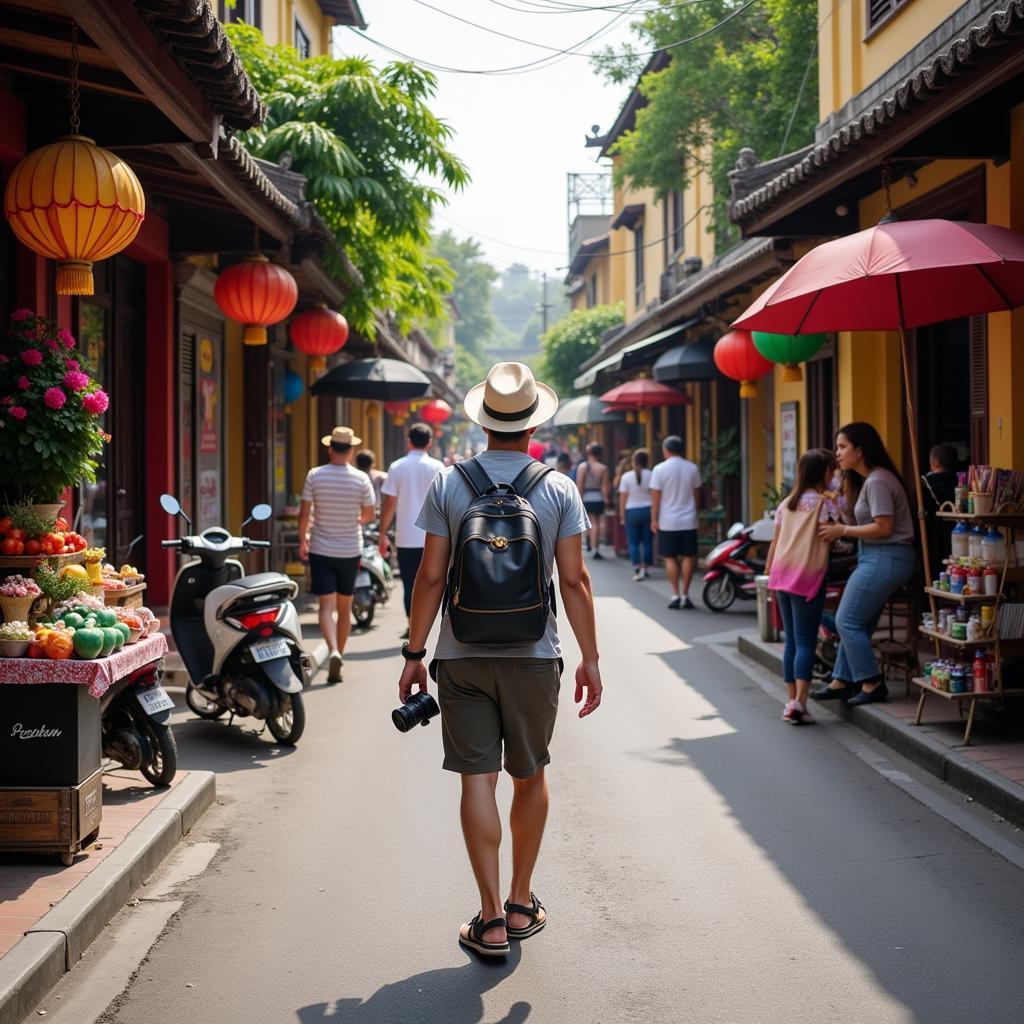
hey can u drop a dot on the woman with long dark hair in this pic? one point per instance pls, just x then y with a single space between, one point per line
635 512
884 528
797 567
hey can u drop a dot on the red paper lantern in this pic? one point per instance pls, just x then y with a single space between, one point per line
319 333
435 411
535 449
256 293
736 357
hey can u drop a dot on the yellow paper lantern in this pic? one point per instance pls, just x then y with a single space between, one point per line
75 203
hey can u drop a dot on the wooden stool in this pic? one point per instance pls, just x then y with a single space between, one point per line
899 657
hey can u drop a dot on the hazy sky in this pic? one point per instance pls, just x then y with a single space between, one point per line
519 134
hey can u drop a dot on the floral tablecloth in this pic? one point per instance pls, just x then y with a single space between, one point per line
99 675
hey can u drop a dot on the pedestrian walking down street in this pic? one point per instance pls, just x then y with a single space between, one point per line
886 560
338 500
593 484
797 567
408 481
499 693
635 512
365 462
675 490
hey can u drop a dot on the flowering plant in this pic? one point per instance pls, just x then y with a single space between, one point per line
16 631
80 600
19 586
51 409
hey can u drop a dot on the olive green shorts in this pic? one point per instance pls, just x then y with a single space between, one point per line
493 704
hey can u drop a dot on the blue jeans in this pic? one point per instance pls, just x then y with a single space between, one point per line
801 617
881 570
639 536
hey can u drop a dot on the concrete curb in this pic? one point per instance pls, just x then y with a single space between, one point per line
969 777
57 941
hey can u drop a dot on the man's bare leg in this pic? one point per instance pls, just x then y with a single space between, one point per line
344 620
527 819
328 607
481 828
672 568
687 574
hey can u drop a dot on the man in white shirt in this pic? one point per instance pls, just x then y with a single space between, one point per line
675 491
402 495
340 500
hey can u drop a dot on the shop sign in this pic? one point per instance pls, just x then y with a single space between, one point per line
790 426
209 397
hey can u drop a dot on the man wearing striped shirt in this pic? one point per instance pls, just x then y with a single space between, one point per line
339 499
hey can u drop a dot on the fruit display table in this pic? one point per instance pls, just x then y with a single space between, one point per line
50 744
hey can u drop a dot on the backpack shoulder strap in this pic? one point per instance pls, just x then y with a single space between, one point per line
528 478
475 475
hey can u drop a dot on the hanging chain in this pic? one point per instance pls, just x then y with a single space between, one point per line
73 95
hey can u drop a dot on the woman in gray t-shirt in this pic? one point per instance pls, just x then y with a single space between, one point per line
883 525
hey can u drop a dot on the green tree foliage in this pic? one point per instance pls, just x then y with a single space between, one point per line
572 341
469 369
751 82
517 308
471 289
364 138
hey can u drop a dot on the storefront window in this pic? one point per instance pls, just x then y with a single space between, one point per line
93 326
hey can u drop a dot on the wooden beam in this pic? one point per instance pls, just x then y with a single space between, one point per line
117 28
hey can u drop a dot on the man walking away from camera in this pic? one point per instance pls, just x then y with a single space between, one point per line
498 701
408 481
675 491
340 499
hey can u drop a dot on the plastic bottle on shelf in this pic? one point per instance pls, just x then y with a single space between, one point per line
974 541
993 547
961 540
980 672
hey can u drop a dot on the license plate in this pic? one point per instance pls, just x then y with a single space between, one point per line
155 699
268 650
362 579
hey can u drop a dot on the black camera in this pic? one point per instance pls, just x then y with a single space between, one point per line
419 710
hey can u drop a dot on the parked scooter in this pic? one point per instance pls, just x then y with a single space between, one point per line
373 580
734 564
238 635
135 714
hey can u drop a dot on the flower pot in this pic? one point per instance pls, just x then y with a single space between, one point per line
13 648
136 636
49 511
16 609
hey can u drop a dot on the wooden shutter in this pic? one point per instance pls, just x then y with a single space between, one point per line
979 389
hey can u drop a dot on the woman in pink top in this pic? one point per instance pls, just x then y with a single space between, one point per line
797 566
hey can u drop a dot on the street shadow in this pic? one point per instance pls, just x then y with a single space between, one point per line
449 995
219 747
887 876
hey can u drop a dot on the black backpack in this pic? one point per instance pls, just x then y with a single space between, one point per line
496 591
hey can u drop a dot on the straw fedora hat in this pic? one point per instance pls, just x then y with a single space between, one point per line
510 399
341 435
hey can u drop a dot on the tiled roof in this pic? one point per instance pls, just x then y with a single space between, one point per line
980 43
196 40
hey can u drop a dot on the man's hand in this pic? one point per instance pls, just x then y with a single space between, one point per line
303 549
413 675
654 526
384 545
588 676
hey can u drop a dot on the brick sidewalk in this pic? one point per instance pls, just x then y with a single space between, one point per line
32 884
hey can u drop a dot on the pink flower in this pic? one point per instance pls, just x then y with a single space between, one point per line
22 314
96 402
54 398
31 357
64 335
24 383
4 359
72 364
75 380
19 412
7 400
52 345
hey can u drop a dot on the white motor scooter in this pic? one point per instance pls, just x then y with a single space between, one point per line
238 635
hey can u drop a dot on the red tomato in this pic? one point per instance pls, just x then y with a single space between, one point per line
9 546
62 525
35 650
5 524
33 547
16 534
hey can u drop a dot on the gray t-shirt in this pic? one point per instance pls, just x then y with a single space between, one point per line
556 500
882 495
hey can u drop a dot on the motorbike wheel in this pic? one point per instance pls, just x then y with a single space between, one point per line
720 593
288 720
200 706
160 761
364 616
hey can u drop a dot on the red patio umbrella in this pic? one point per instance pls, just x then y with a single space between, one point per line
638 394
895 276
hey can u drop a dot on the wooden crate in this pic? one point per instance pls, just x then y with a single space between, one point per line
130 597
59 819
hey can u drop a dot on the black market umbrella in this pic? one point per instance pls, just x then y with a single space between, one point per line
586 409
687 362
380 380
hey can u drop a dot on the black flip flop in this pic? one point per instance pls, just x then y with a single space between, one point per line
536 913
471 936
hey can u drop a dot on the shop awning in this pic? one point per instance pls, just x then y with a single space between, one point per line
574 412
687 362
635 355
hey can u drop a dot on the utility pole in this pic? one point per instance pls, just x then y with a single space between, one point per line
544 304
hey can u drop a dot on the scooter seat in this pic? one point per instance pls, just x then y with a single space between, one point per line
259 580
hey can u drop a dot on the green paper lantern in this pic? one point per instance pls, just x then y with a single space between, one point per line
788 349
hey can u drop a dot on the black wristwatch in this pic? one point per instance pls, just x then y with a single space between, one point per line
412 655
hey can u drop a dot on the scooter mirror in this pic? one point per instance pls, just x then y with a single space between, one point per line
735 530
170 504
261 513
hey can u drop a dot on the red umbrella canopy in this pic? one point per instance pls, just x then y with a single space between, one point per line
901 274
636 394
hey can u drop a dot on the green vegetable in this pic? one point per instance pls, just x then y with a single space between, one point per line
88 642
124 630
74 620
105 617
110 638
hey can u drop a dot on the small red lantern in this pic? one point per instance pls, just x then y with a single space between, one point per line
256 293
736 357
319 333
435 411
399 412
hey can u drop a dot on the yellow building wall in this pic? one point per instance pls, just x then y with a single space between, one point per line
698 197
279 23
849 63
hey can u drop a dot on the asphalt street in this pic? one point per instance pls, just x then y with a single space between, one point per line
704 862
